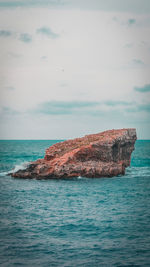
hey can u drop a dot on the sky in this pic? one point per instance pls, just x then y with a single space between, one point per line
74 67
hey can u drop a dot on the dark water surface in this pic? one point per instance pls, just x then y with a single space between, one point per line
78 222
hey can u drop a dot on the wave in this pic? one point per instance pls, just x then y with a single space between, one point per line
3 173
79 177
21 166
17 167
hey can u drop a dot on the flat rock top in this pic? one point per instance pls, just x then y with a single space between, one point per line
107 137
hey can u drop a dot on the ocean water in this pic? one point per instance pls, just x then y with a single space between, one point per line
77 222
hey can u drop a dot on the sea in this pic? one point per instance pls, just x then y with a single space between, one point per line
73 222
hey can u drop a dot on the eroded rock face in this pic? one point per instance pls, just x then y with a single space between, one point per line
104 154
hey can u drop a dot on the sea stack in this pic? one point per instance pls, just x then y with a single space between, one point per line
104 154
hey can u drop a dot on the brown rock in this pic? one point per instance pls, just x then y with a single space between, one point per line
104 154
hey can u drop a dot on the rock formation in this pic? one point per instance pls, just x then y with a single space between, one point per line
104 154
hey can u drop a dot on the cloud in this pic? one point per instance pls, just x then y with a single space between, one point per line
144 108
29 3
139 108
14 55
63 84
4 33
129 45
10 88
6 111
46 31
136 64
131 22
138 61
144 89
126 22
44 57
117 103
63 107
25 37
134 6
80 107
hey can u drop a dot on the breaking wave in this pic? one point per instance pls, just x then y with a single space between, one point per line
16 168
21 166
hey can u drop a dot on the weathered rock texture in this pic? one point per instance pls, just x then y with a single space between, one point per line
104 154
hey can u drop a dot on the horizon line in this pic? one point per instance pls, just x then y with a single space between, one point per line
56 139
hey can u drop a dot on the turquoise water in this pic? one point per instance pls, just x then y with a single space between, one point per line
78 222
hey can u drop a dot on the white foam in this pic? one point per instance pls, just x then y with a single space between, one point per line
80 177
3 173
21 166
18 167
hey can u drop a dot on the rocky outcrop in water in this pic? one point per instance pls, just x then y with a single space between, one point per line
104 154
